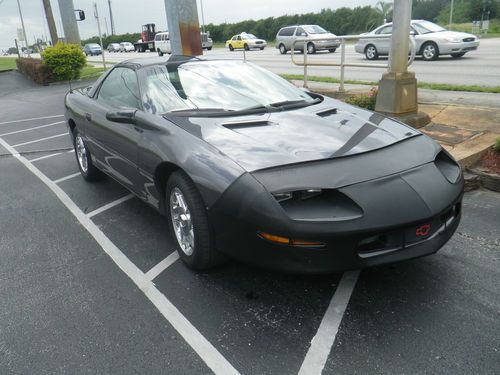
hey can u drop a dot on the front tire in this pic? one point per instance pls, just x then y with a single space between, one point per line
84 160
231 48
160 53
246 47
282 49
430 51
332 50
188 223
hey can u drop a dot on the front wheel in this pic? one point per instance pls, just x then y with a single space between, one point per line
188 223
430 51
87 169
209 48
160 53
246 47
332 50
282 49
231 48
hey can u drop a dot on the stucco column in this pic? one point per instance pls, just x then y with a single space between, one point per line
183 27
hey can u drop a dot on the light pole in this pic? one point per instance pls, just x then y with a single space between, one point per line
202 17
24 30
96 15
451 15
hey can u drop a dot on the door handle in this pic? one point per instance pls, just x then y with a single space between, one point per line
88 116
138 129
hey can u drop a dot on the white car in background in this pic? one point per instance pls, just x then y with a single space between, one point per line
127 47
431 41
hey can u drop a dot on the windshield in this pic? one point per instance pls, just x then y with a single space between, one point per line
94 45
314 29
222 85
248 36
426 27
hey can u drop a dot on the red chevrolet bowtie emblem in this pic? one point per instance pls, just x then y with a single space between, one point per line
423 230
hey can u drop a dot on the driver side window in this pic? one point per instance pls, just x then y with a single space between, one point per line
120 89
300 32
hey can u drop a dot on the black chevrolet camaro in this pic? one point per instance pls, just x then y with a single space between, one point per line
245 165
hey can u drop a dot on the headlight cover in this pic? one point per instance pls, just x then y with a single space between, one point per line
448 166
318 205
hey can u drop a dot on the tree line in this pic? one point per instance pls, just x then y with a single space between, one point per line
342 21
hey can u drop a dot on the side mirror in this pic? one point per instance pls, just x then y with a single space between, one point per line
124 116
303 34
413 33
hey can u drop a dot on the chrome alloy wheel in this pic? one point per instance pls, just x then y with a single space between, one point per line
81 153
371 52
429 51
181 221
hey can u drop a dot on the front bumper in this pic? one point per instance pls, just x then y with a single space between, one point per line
402 216
327 44
448 48
257 45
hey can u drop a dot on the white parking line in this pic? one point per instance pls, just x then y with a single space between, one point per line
322 342
30 119
39 140
110 205
66 178
45 157
207 352
162 266
27 130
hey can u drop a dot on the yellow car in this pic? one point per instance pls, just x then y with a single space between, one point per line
245 41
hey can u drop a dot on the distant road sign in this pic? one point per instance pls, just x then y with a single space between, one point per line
20 35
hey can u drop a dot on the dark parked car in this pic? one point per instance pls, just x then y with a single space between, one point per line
244 164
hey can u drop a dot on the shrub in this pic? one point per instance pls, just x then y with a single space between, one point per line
34 69
496 146
65 61
366 101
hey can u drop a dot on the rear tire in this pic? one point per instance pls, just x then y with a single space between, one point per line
282 49
311 49
160 53
332 50
246 47
188 222
84 160
371 52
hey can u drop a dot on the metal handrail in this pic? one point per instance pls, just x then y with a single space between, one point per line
342 63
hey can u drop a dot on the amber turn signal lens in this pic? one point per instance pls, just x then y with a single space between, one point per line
288 241
274 238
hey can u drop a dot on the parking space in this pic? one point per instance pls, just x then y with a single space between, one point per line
96 270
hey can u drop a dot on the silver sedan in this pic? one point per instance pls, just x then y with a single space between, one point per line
431 41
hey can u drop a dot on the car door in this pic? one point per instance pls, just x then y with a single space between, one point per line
289 37
300 33
384 44
114 144
239 42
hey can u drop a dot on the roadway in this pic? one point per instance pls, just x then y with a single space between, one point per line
481 67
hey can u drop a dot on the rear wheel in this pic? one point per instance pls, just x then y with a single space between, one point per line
430 51
282 49
231 48
457 55
188 223
311 48
246 47
160 53
209 48
262 48
332 50
371 52
84 160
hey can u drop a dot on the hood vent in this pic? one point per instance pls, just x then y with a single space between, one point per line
247 124
327 112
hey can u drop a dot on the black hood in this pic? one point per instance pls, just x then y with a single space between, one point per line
324 131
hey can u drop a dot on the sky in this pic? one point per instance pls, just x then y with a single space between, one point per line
129 15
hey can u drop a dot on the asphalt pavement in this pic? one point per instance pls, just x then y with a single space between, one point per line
481 67
90 283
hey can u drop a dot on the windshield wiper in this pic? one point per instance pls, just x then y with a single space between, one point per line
289 104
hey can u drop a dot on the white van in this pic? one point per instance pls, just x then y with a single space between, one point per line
162 43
